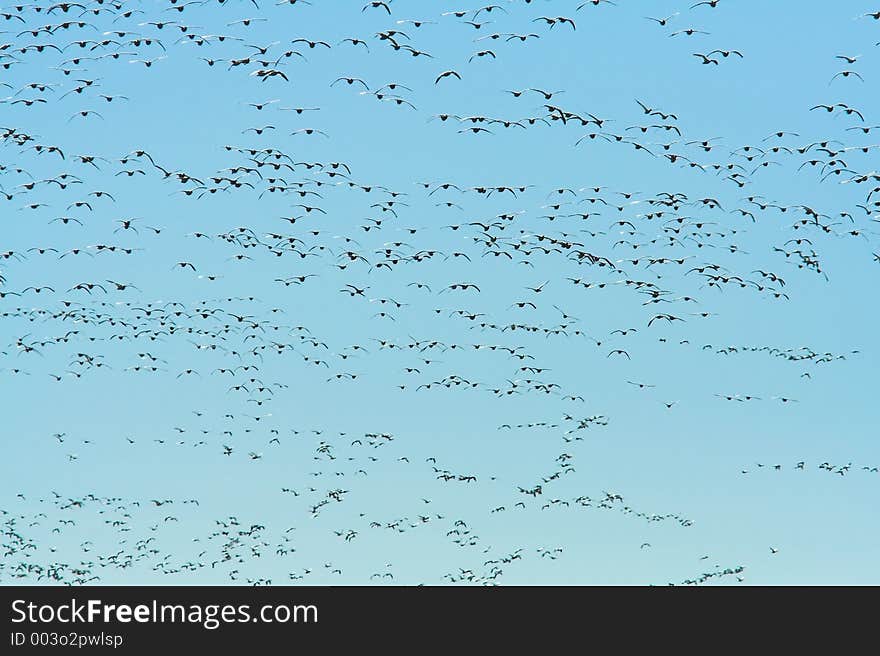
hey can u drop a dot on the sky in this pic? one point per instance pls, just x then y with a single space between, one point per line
703 469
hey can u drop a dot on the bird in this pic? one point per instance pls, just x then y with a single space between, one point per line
662 22
845 74
705 58
446 74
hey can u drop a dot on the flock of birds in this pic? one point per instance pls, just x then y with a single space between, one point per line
359 286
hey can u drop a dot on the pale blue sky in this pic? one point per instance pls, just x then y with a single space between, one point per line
686 460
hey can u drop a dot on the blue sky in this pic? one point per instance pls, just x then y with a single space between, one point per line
685 461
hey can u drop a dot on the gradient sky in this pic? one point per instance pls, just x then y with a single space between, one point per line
686 460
